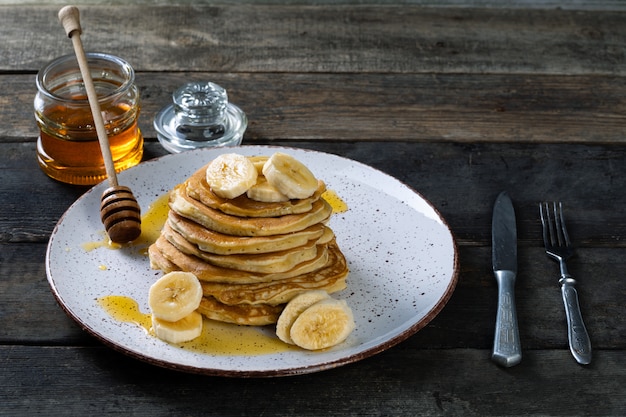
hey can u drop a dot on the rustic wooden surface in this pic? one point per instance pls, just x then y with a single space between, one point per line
459 103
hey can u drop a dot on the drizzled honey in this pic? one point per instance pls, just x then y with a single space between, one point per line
332 198
217 338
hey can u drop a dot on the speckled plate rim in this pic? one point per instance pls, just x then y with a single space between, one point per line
354 182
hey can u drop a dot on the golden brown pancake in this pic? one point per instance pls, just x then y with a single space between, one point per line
197 188
246 226
222 244
265 263
251 257
331 278
327 237
175 260
244 314
158 261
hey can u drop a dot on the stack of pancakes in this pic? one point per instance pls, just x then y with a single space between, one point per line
251 257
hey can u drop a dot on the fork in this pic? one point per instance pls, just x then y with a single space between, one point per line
559 248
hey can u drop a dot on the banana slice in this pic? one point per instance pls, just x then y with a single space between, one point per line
293 309
265 192
322 325
230 175
258 161
174 296
183 330
290 176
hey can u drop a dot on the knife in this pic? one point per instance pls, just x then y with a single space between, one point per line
507 349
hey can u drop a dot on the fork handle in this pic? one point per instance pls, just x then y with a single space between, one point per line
507 350
579 343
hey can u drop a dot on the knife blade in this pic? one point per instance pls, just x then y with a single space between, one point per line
506 344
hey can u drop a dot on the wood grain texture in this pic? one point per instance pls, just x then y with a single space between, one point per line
41 379
457 179
326 38
466 322
393 107
460 103
461 180
352 73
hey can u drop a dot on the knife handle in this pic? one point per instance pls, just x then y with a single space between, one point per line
507 349
579 343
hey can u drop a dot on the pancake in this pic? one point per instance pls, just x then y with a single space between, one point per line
251 257
222 244
197 188
159 261
168 258
274 293
245 314
266 263
327 237
331 278
246 226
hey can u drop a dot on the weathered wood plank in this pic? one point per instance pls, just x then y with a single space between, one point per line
459 103
457 178
326 38
614 5
46 380
466 322
395 107
28 307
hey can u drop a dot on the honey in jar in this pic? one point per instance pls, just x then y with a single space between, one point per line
67 148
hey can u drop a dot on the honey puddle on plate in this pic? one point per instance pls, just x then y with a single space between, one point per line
153 220
217 338
151 224
338 205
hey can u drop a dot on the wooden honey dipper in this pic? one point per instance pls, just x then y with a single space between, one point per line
119 211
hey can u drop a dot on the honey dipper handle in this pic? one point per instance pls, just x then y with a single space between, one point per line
70 19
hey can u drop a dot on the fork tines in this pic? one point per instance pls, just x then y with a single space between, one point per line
554 230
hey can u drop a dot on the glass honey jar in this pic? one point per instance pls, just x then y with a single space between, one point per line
67 147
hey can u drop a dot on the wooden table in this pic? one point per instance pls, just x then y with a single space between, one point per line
459 103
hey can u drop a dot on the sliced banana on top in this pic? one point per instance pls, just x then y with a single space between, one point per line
174 296
265 192
183 330
230 175
290 176
292 311
258 161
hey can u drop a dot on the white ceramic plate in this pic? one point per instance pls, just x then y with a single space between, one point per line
401 253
